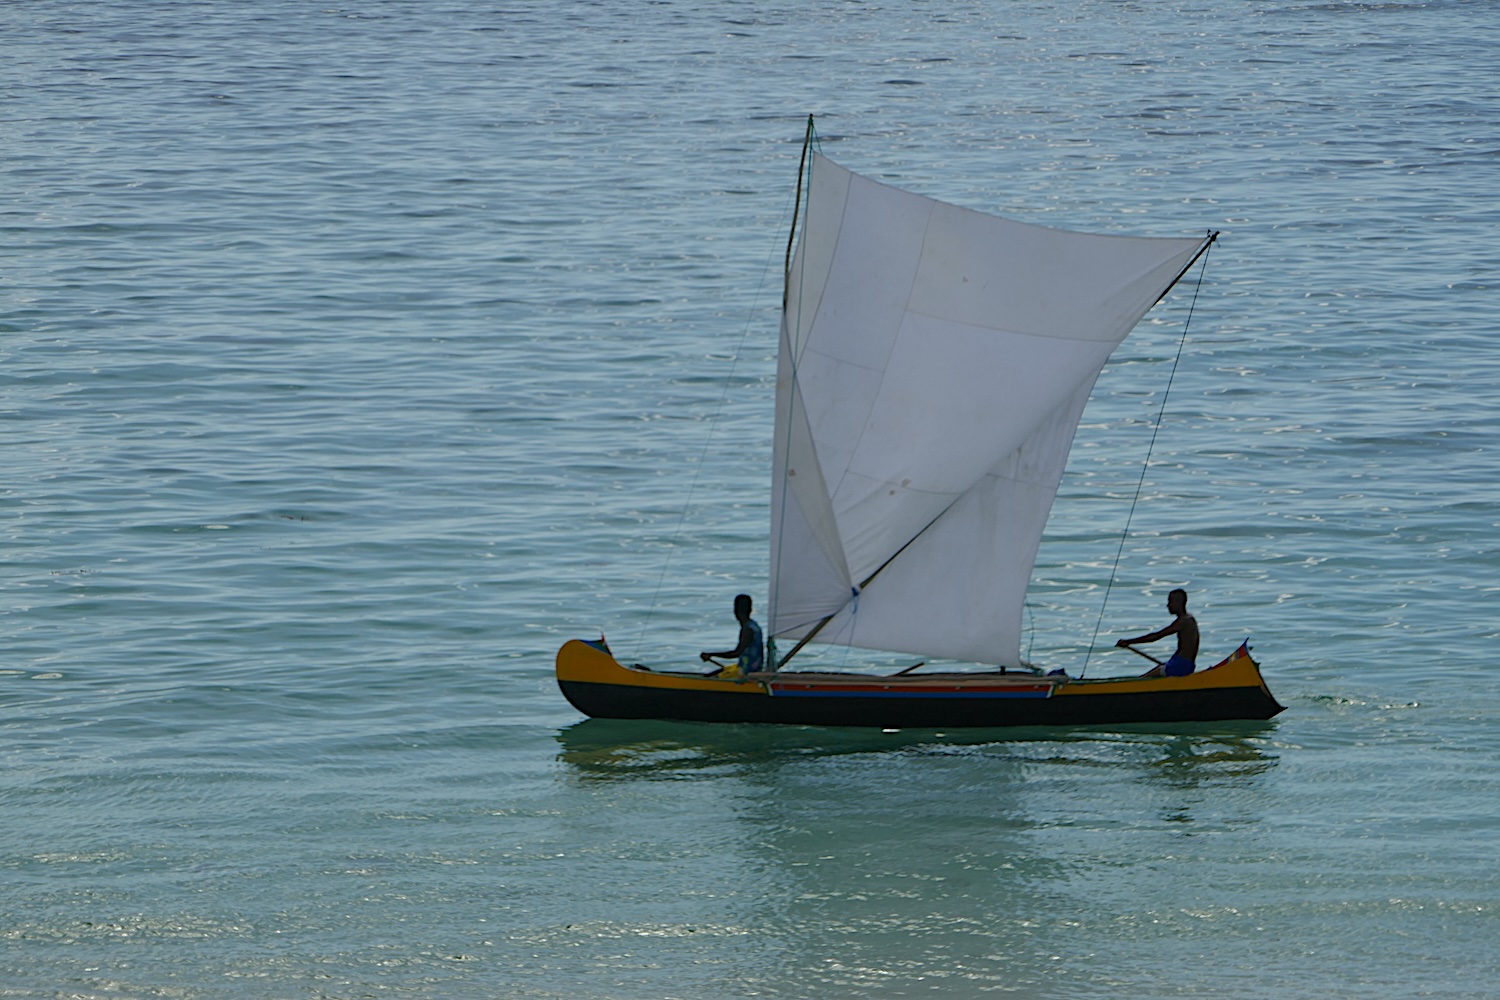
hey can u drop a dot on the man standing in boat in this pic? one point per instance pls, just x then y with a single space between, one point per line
1185 628
750 654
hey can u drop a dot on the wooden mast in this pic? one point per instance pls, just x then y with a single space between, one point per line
791 237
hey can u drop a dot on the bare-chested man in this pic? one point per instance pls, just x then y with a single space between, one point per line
1185 628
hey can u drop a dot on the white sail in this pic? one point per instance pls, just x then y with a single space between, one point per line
934 365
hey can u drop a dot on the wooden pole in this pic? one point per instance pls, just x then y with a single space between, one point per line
791 237
1148 656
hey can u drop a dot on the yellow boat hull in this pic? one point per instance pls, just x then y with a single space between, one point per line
600 686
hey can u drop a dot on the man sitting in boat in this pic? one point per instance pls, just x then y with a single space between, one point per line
750 654
1185 628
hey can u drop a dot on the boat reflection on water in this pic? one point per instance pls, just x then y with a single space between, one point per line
1182 755
870 863
624 748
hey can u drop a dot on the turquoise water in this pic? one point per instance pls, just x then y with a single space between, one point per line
353 358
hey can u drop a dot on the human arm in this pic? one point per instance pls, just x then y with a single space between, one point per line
747 637
1160 633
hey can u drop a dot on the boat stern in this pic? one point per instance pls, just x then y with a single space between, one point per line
598 685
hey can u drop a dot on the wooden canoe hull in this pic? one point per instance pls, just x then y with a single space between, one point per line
601 687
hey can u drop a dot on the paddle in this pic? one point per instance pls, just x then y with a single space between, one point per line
1137 652
710 659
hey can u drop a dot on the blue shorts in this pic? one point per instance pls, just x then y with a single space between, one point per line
1178 666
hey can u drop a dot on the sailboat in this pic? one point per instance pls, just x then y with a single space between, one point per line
933 368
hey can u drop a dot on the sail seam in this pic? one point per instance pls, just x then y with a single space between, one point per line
885 368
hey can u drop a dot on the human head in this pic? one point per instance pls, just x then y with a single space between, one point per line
742 606
1177 601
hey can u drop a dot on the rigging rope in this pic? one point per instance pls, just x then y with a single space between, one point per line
1161 411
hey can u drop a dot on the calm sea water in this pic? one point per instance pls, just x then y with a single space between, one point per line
353 358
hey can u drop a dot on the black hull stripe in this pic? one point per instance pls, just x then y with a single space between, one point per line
618 701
